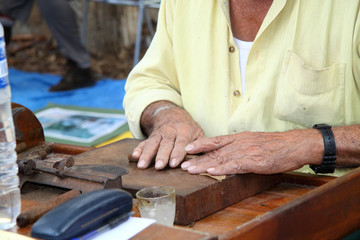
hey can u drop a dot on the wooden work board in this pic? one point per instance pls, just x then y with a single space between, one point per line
197 196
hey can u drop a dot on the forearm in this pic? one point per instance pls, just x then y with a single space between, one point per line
347 140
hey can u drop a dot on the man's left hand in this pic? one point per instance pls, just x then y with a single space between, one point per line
255 152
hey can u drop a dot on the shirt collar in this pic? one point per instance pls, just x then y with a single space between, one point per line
273 12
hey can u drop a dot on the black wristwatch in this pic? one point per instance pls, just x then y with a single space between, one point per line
329 158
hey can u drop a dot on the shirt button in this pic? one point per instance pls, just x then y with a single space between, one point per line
236 93
231 49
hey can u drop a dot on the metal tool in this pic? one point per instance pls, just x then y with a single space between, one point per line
38 163
84 178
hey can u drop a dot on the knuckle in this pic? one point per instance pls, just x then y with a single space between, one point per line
259 163
182 141
145 156
260 159
199 132
139 148
214 154
239 166
166 142
255 148
153 139
221 160
217 141
141 145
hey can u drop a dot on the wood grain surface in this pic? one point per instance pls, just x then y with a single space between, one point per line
196 196
300 206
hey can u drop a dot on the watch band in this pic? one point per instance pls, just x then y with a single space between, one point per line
329 158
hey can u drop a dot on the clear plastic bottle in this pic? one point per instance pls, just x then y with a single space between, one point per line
9 181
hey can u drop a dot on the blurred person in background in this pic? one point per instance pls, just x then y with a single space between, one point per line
61 20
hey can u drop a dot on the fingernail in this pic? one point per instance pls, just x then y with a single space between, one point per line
189 147
141 164
191 168
210 169
173 162
135 154
159 164
185 165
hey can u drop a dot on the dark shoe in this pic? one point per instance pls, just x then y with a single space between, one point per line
7 33
7 23
75 78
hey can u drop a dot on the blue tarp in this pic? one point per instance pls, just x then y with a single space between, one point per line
31 90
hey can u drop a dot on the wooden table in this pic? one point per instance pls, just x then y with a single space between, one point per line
300 207
287 211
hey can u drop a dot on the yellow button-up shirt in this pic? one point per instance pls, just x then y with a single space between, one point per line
303 68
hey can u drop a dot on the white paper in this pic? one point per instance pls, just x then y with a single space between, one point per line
126 230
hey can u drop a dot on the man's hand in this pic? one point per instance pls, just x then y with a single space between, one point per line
170 128
255 152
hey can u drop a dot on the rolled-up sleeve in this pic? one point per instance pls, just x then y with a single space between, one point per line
154 78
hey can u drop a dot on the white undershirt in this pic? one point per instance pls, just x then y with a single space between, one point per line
244 50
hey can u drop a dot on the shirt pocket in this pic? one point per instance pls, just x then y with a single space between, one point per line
307 95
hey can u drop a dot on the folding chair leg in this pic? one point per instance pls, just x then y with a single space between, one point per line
139 32
149 22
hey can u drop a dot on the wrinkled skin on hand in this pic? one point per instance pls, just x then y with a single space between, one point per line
172 129
255 152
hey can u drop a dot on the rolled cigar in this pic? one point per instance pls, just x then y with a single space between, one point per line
36 212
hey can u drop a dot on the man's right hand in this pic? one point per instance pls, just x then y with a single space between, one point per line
169 129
